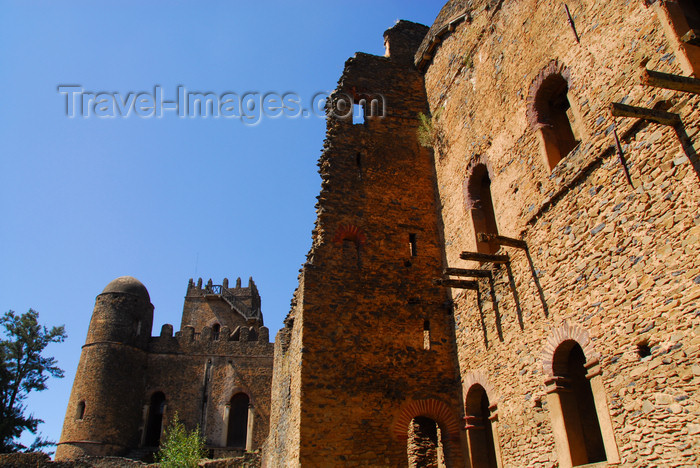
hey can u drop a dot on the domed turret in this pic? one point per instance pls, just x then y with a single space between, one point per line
127 285
104 410
123 314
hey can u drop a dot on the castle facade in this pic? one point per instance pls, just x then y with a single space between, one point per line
520 286
214 373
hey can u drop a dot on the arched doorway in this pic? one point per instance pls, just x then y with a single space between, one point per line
238 421
480 433
425 448
154 426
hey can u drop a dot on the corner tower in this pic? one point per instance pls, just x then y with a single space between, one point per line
367 322
104 409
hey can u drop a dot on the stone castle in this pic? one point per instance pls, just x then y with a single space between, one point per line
520 286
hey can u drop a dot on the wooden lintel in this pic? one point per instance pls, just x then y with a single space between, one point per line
652 115
481 257
467 272
669 81
457 284
501 240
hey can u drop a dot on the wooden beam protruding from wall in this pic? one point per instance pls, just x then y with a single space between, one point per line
482 257
467 272
669 81
660 117
501 240
457 284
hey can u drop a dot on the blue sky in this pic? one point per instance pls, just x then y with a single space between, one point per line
85 200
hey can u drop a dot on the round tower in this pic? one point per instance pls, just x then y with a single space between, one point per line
104 409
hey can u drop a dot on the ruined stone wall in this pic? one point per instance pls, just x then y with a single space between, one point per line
282 446
616 263
358 332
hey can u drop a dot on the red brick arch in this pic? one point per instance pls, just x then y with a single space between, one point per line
566 333
436 410
477 378
554 68
350 232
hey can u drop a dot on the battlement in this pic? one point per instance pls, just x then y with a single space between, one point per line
211 340
243 301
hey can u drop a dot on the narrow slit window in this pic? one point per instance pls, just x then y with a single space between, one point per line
215 332
412 245
426 334
80 411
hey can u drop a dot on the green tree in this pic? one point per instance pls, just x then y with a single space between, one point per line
22 370
181 449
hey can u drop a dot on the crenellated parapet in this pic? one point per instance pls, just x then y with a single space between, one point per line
243 300
209 340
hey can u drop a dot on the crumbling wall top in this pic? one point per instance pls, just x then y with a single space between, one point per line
402 40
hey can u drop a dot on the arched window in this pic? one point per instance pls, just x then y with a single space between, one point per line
425 446
576 399
154 425
680 20
238 421
480 432
215 331
554 118
578 408
80 410
481 204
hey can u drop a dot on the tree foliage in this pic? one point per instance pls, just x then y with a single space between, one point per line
22 370
181 449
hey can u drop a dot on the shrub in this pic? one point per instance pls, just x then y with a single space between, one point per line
467 60
427 130
181 449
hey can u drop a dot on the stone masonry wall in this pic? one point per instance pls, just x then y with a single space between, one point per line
357 339
181 377
618 261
